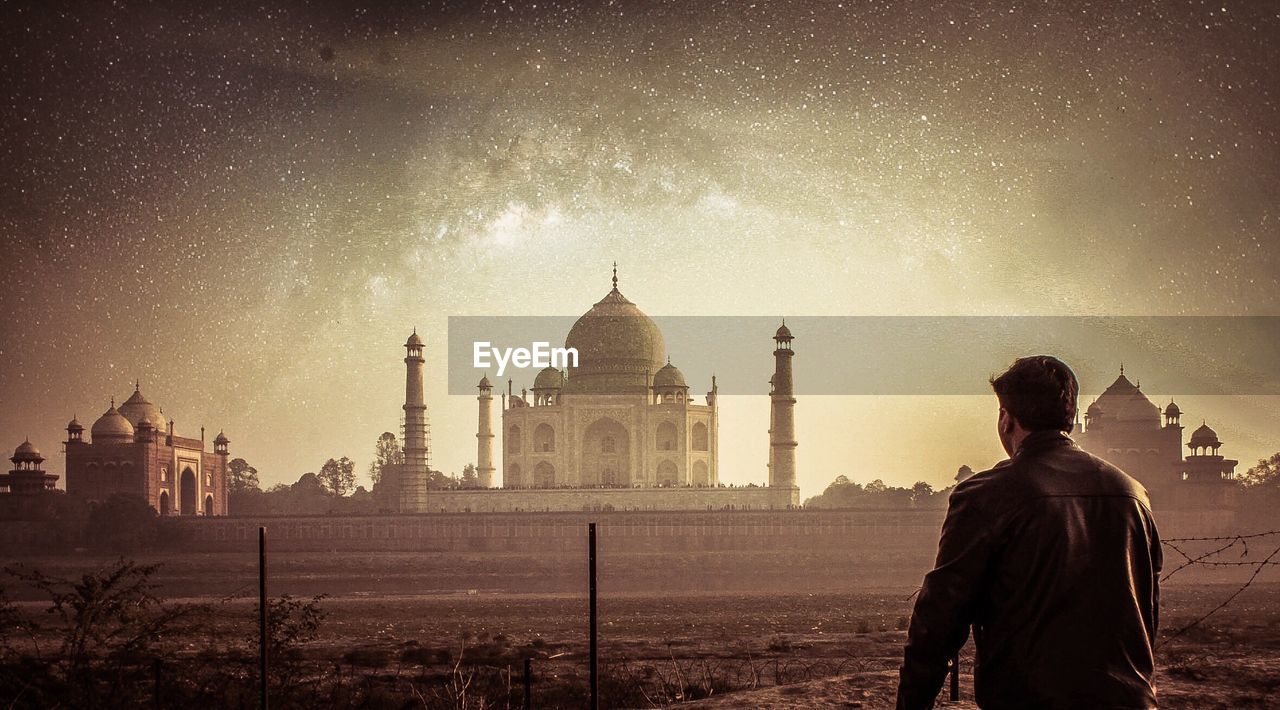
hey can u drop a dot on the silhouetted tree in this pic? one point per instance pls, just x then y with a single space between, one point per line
338 476
386 452
241 477
844 493
470 479
1265 473
440 481
921 492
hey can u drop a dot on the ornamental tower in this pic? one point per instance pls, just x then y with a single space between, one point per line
782 403
413 473
28 476
484 435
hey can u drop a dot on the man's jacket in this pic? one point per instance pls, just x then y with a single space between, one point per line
1053 558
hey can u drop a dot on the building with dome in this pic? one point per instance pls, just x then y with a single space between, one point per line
134 450
623 418
1126 428
619 430
28 476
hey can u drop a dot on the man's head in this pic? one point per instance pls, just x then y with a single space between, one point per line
1036 393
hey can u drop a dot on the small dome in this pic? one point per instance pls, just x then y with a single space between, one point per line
1204 436
221 439
112 427
669 376
784 333
484 383
1094 410
144 424
414 340
549 379
26 451
75 425
1172 410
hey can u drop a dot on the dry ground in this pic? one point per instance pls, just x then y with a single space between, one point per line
826 650
815 645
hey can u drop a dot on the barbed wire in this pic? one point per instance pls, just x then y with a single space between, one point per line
1258 567
1250 536
1203 558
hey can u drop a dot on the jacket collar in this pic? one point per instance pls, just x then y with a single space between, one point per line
1043 439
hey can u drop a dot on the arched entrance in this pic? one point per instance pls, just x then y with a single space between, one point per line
606 455
668 474
165 505
544 475
208 505
187 492
700 475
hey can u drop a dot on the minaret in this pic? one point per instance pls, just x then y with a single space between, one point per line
220 443
484 435
782 403
413 473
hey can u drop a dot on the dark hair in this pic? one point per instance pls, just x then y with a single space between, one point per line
1040 392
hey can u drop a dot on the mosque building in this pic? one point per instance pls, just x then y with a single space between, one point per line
621 421
1124 427
134 450
623 418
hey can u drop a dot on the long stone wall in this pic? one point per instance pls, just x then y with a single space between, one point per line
912 533
549 500
723 550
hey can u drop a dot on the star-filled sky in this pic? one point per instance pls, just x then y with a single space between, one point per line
248 208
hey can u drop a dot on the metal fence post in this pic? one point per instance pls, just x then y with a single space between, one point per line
528 684
955 678
262 616
594 648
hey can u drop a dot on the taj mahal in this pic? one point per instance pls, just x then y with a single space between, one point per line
619 431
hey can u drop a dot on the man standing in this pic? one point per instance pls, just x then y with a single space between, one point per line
1052 557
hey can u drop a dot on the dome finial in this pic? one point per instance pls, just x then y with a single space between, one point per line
1122 368
137 385
615 276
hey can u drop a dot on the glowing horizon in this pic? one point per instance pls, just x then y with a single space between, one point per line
249 210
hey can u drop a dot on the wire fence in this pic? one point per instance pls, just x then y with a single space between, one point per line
1220 546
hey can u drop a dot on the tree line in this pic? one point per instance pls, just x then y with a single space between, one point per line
1259 488
333 488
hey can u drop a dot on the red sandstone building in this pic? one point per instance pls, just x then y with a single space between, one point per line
28 476
1124 427
134 450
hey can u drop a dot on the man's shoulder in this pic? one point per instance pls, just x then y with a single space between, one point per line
1072 471
983 480
1114 476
